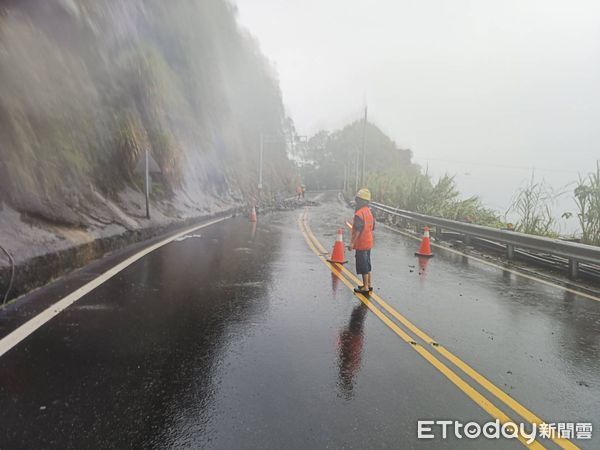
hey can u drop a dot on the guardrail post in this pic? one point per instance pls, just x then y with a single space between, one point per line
438 233
510 251
573 268
467 239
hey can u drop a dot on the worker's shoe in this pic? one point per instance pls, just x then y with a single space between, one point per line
360 290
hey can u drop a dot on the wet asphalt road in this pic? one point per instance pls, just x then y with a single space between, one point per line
242 338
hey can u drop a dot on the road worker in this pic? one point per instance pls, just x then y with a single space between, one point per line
362 239
298 192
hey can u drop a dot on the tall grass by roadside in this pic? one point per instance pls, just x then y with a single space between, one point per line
587 199
532 205
419 193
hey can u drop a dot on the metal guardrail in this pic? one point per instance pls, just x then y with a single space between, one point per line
574 252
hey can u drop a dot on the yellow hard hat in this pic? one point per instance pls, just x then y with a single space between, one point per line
364 194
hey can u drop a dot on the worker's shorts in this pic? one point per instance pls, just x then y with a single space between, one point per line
363 261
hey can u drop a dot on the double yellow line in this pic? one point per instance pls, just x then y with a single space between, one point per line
377 307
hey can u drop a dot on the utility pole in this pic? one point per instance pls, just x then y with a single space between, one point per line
147 183
260 164
145 167
364 149
356 169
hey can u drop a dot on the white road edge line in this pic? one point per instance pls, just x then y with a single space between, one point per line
16 336
498 266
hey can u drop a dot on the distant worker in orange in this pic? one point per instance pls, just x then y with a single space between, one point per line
362 239
298 192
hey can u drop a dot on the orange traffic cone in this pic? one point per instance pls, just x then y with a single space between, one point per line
337 255
253 214
425 249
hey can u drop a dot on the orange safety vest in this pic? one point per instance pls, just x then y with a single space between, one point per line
364 240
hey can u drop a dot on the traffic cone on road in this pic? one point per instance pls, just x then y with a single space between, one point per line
253 214
337 255
425 249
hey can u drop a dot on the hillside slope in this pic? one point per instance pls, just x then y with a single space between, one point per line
87 85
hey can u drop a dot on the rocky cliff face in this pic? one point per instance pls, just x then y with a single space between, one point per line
86 86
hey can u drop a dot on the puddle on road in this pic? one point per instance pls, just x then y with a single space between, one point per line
188 236
253 284
92 307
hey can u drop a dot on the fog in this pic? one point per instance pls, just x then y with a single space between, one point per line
486 90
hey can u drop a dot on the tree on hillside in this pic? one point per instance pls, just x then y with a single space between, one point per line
330 158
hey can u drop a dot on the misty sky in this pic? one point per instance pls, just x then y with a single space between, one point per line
481 89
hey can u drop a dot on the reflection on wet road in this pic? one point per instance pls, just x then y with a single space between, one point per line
241 337
350 344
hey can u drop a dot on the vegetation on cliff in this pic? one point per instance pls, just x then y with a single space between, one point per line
87 85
